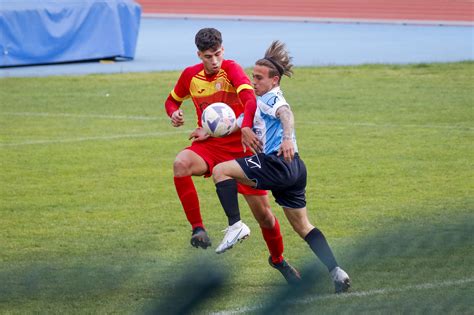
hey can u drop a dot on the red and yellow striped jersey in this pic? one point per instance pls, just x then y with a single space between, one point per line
205 90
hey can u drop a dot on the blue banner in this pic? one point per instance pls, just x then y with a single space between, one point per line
40 32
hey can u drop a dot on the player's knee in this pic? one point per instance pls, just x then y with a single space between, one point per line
181 167
302 228
219 172
268 222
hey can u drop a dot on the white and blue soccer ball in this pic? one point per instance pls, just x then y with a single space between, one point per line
218 119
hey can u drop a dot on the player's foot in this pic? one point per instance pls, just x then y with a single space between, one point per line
341 279
200 238
292 276
233 234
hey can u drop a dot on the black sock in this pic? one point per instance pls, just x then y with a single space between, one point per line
316 240
227 192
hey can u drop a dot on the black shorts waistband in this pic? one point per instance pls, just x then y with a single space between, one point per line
276 154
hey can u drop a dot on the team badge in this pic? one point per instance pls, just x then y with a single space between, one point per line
273 100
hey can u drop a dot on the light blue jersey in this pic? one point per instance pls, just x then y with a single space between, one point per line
266 125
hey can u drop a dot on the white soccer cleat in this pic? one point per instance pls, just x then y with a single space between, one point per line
341 279
233 234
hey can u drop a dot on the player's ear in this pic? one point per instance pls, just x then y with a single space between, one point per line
276 80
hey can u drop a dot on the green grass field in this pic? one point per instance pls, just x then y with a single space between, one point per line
90 221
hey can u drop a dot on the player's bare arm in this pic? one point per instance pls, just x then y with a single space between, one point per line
287 148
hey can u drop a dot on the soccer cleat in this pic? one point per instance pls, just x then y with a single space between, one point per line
341 279
200 238
237 232
292 276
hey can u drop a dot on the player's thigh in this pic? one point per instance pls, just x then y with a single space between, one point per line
189 163
299 220
231 169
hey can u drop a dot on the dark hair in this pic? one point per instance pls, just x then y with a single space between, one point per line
208 38
277 59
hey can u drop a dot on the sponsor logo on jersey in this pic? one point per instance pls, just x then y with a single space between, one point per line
253 162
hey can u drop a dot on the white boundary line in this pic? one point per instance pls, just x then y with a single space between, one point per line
147 118
106 138
424 286
365 124
158 134
113 117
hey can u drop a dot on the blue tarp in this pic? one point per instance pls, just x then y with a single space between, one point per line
42 31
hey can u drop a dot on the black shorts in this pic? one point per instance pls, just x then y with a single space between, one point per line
287 181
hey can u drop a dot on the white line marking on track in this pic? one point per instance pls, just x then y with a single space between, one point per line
424 286
106 138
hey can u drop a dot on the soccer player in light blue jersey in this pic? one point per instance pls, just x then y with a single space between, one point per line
278 168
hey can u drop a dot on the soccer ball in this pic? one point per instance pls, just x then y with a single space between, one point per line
218 119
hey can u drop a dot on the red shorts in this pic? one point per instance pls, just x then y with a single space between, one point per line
217 150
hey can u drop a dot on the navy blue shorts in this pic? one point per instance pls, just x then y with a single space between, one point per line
287 181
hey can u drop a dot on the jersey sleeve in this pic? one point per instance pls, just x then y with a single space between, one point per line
180 92
247 97
171 105
244 89
237 76
270 104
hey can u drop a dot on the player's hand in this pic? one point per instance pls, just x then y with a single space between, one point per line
250 139
199 134
177 118
287 148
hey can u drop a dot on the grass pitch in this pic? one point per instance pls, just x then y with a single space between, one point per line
90 221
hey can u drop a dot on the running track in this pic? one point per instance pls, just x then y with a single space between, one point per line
409 11
396 41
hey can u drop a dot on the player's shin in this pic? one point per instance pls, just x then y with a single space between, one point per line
237 231
189 199
318 243
227 193
274 240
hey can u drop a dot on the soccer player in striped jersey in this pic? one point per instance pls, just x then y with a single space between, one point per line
216 79
279 168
